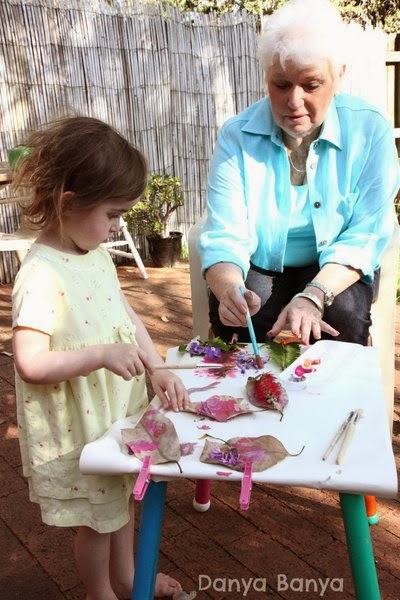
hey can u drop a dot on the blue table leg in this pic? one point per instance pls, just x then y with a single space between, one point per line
359 547
148 545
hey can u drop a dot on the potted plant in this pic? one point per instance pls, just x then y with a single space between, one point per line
150 217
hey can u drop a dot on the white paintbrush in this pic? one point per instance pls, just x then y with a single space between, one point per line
348 436
189 366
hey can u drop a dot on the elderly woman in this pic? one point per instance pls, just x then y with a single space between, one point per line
300 192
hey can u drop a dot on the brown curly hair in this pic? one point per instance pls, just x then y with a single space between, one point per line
82 155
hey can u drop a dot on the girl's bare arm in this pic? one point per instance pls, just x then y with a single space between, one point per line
36 363
167 386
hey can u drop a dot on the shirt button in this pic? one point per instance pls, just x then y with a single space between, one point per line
312 166
316 144
317 204
323 243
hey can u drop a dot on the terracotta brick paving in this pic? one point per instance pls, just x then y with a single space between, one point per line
297 533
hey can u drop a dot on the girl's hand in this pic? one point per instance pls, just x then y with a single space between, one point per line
303 318
170 389
126 360
232 306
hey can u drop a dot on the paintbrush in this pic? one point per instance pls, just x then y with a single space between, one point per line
338 435
250 327
189 366
348 435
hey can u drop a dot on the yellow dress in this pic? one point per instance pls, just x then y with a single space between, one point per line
77 301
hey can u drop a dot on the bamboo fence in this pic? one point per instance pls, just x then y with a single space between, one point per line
167 80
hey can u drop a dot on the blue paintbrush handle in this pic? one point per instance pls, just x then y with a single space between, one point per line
250 327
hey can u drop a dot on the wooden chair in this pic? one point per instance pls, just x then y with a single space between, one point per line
131 254
19 241
383 313
198 285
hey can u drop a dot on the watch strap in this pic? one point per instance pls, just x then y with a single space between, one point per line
329 297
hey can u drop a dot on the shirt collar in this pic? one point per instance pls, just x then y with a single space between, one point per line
331 127
261 121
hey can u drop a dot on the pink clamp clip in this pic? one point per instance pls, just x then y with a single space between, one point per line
245 491
143 479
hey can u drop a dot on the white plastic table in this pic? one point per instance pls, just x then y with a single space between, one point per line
347 378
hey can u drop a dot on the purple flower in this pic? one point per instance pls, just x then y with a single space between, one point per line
231 457
187 448
212 352
194 348
245 360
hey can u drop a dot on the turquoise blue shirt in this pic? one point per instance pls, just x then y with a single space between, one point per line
301 249
352 176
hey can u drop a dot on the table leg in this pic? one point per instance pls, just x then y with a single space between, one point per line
359 547
202 495
148 545
372 513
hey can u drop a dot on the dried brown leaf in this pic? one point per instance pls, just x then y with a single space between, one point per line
154 435
263 452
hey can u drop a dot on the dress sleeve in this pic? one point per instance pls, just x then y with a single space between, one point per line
36 298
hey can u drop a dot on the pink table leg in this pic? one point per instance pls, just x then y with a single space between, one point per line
202 494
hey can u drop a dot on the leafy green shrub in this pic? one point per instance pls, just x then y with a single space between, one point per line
163 195
385 13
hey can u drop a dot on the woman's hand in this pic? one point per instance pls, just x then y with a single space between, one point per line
233 306
170 390
303 318
225 281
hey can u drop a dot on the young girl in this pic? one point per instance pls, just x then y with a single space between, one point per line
80 350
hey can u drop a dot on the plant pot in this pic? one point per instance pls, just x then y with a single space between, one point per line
165 251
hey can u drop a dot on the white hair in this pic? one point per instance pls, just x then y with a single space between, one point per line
303 31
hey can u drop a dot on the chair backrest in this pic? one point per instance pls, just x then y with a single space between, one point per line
198 284
16 236
383 314
125 239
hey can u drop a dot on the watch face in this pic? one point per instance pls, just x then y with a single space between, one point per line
328 295
329 300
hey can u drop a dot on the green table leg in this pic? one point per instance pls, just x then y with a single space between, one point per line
359 547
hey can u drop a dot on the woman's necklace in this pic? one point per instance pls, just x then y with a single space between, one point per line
294 166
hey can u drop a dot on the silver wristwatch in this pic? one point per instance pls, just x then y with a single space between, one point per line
329 297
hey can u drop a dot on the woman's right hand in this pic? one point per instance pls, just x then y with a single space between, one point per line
126 360
233 306
225 281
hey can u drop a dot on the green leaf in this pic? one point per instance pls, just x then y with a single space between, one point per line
218 343
283 355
